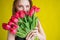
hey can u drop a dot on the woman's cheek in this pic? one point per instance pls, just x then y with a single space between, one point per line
28 8
19 9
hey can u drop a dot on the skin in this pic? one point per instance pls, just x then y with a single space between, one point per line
24 5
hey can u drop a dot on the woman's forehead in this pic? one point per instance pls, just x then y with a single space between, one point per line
23 2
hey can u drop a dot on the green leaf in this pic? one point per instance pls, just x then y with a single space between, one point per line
33 22
20 20
33 25
36 21
36 38
21 35
25 19
27 24
27 30
29 19
21 30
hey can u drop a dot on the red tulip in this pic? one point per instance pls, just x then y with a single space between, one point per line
27 13
14 19
31 12
13 31
6 26
21 14
17 15
15 26
10 23
36 8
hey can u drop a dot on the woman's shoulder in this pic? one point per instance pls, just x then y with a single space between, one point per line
38 21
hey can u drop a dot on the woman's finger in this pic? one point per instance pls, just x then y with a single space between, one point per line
35 31
28 35
31 35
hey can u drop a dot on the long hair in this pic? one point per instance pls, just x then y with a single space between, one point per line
14 8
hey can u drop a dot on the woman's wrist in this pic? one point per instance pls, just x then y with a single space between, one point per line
41 37
11 36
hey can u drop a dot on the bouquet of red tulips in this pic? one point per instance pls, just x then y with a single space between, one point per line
21 23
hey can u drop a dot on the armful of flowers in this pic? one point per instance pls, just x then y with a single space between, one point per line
21 23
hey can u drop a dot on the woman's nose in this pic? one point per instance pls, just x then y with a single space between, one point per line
25 9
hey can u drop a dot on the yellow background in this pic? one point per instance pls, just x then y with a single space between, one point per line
49 16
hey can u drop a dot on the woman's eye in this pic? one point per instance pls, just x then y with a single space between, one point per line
27 6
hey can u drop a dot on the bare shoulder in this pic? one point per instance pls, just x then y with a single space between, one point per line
39 23
41 30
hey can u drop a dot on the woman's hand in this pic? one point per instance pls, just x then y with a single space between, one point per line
37 32
31 35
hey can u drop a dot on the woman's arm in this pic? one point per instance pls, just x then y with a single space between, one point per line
41 31
11 36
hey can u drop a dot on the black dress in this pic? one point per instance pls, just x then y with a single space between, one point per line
18 38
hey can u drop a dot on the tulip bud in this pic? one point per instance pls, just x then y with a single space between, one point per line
6 26
17 15
13 31
21 14
13 19
31 12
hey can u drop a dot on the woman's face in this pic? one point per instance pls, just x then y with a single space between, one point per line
23 5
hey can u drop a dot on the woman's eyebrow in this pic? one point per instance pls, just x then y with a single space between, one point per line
20 5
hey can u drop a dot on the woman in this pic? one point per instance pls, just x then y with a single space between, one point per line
26 5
